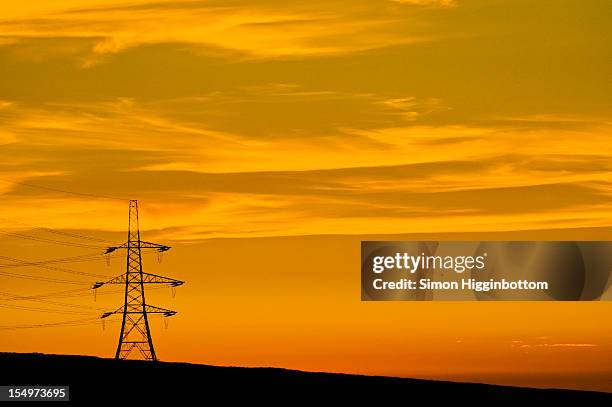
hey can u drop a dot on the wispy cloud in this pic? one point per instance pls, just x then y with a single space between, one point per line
352 180
560 345
252 29
526 345
441 3
301 119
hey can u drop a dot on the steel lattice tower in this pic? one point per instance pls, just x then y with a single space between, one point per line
135 331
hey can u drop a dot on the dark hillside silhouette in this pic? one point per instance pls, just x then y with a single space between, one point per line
96 379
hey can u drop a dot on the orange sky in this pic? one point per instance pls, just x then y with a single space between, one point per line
265 140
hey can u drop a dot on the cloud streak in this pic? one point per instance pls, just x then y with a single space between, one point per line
260 30
370 180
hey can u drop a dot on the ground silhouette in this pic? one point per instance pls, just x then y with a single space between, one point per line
93 379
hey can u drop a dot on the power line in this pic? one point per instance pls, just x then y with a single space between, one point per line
76 322
39 278
60 232
84 292
54 268
13 297
76 292
53 241
63 191
44 310
72 259
57 294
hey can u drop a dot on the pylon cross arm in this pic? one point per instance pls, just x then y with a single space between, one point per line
140 243
150 309
147 278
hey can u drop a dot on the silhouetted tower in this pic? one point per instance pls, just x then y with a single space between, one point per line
135 332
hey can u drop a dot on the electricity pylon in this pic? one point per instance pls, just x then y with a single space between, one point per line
135 332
